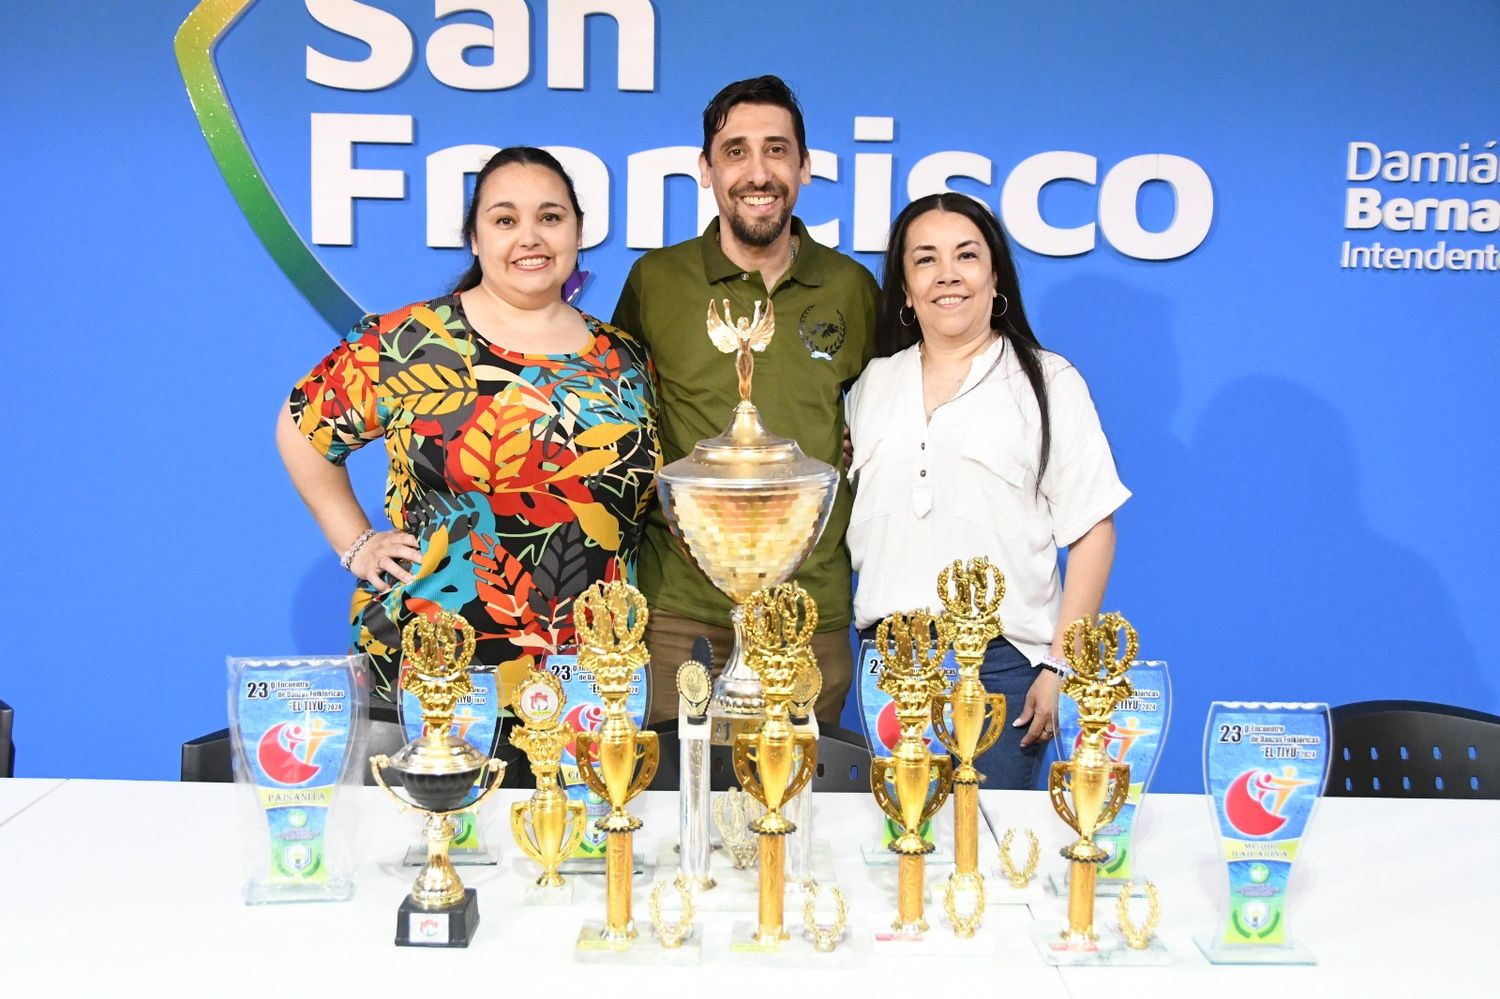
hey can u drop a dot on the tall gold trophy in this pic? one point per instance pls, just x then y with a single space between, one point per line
549 827
437 771
971 596
1097 786
749 506
912 677
617 761
779 623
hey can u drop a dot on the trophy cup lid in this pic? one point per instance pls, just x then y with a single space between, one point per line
748 456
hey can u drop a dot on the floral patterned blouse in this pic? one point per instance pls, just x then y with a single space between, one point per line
524 477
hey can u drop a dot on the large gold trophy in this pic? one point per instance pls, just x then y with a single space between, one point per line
1097 786
911 784
749 507
971 596
548 827
779 623
617 761
437 771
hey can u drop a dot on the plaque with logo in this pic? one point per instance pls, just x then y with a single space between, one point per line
1264 767
296 726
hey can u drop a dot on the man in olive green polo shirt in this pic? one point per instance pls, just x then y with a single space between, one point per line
755 159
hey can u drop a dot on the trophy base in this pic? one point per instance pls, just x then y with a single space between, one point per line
935 941
1057 885
1222 953
416 856
450 927
265 892
1109 951
643 948
797 951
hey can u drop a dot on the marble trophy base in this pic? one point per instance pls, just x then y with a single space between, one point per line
450 927
742 950
1110 950
1222 953
642 949
938 940
999 891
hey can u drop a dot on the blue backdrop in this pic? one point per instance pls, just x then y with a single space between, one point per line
1309 437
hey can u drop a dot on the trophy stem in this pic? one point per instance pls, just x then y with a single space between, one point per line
1081 903
909 918
618 862
737 691
772 889
692 831
965 828
437 885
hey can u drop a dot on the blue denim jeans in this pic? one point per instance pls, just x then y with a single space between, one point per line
1006 766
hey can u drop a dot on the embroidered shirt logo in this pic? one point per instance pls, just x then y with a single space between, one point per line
822 340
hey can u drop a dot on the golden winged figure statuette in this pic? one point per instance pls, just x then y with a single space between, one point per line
743 335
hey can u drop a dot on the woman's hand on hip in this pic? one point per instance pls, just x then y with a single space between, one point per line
1040 711
382 555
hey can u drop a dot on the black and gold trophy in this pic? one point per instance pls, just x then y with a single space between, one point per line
437 771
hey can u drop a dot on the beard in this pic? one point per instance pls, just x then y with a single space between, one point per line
760 232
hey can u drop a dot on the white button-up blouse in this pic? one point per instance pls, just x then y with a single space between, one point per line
964 484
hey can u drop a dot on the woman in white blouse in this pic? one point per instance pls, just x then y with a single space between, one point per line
970 439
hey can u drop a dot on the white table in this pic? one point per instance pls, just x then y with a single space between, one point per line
103 879
19 793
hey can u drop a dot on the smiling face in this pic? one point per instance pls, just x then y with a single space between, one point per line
756 171
949 277
526 235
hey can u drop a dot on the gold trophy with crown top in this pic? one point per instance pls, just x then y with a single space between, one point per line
437 770
911 785
617 761
779 624
548 827
971 596
1098 787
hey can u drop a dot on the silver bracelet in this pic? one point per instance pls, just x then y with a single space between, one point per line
348 558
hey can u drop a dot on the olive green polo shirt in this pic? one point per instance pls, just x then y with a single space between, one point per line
825 322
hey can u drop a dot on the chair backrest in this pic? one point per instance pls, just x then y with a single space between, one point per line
1413 749
7 748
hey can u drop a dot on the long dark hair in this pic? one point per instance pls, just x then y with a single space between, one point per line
517 155
893 336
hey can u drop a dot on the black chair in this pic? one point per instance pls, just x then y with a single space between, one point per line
7 747
207 759
1413 749
843 762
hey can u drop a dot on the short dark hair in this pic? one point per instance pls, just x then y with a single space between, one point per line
509 156
892 335
770 90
